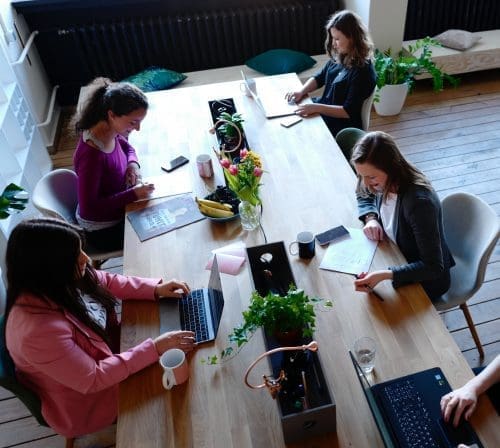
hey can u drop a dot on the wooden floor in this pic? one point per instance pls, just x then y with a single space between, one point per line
453 136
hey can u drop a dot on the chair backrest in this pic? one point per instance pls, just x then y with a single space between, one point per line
347 138
471 229
55 195
366 109
8 380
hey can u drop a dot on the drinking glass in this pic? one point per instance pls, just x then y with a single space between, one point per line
364 351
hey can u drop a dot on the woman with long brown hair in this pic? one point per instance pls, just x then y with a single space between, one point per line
348 77
395 200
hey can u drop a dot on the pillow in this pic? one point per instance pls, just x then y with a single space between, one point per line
279 61
156 78
457 39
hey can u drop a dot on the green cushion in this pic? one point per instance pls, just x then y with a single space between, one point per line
156 78
279 61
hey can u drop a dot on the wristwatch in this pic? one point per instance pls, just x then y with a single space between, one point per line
370 216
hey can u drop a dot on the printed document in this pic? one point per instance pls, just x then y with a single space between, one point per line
352 254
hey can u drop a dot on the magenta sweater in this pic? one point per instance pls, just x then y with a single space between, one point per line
102 193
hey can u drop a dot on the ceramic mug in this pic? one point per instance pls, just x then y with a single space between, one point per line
305 243
175 368
204 164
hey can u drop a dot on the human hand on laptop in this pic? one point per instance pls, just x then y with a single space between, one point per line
295 97
183 340
173 288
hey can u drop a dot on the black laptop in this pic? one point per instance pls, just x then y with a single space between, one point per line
200 311
407 411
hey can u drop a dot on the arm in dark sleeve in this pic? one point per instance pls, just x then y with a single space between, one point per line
423 219
366 204
360 87
320 76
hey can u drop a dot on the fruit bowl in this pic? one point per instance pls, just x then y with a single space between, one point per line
223 195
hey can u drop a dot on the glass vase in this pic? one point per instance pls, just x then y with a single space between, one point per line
249 215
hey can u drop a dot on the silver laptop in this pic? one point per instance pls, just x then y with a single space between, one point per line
200 311
269 94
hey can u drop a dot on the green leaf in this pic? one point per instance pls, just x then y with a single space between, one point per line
13 198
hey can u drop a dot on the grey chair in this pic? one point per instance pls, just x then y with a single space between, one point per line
366 109
471 229
55 195
347 138
9 381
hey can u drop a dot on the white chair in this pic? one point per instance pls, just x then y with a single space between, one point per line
471 229
55 195
366 109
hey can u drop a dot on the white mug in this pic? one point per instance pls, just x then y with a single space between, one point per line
175 368
204 163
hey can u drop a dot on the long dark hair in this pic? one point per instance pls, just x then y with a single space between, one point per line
121 98
41 258
380 150
351 26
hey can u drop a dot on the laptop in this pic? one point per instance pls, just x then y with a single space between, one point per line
200 311
407 411
269 95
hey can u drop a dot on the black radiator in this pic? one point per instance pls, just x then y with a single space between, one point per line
431 17
120 44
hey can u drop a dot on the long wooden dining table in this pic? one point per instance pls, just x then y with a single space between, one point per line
307 185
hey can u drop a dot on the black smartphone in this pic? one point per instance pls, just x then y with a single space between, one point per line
330 235
175 163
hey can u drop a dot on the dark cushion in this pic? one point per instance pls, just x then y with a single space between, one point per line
156 78
279 61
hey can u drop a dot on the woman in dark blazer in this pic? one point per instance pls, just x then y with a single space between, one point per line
395 200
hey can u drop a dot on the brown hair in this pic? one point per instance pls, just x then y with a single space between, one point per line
349 24
380 150
122 98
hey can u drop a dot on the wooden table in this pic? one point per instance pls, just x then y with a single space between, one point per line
308 185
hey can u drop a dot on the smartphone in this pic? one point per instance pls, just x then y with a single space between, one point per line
290 121
175 163
330 235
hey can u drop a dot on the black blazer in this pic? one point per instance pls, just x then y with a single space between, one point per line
420 237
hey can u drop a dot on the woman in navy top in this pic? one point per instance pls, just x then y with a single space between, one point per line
348 78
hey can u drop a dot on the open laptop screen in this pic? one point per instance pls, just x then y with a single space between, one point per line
377 414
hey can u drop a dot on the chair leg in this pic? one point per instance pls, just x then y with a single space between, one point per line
69 442
472 328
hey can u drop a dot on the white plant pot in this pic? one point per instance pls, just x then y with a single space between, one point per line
391 99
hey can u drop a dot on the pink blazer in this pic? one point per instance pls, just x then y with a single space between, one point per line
71 368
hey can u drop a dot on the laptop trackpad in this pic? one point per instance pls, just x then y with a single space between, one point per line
169 315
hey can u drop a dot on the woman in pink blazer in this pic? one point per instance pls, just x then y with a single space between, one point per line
62 330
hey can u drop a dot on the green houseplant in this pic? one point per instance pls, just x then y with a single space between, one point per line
12 200
396 74
282 316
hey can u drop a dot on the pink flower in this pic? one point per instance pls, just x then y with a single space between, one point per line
225 163
257 172
233 169
243 153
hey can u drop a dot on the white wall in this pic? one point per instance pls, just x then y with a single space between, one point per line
31 77
385 20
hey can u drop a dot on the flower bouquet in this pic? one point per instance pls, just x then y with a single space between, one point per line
243 178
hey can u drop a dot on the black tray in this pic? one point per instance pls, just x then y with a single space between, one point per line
216 108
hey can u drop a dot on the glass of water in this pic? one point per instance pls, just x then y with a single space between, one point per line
364 351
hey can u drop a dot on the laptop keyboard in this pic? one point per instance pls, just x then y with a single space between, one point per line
414 421
193 315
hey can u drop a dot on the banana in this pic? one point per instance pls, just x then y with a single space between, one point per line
214 204
214 212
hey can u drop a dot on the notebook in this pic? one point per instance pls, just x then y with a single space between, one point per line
407 411
200 311
269 94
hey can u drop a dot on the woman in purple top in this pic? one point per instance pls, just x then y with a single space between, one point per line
106 164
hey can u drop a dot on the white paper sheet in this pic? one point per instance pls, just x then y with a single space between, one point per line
352 255
168 185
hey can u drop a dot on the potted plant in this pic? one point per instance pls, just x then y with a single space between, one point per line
287 318
396 74
230 129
